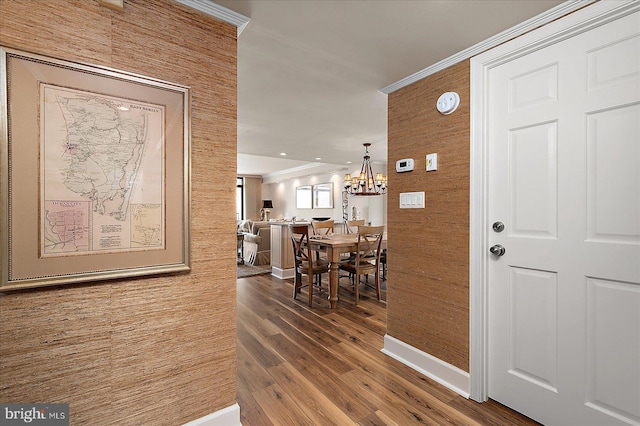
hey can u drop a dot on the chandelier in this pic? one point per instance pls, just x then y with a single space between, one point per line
365 184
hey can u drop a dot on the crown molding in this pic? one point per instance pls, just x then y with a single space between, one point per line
217 11
513 32
301 171
293 172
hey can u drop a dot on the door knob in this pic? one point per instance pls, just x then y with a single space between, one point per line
497 250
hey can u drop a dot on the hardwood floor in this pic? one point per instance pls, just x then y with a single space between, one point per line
314 366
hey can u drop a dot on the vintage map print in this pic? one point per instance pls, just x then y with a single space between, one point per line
101 173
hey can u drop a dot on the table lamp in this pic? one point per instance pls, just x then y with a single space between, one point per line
267 205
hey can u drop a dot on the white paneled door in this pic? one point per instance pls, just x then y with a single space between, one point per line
564 180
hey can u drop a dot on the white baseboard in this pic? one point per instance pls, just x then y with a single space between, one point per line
282 274
444 373
229 416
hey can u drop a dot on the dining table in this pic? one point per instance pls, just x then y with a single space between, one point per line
334 245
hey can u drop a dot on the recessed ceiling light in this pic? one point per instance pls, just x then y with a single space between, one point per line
318 158
349 162
283 153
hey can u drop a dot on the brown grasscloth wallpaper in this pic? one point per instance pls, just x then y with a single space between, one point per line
149 351
428 276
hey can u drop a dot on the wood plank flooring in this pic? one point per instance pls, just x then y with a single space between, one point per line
315 366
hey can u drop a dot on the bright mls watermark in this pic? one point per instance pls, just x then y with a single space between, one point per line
34 414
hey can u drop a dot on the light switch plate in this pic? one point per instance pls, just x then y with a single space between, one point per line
412 200
432 162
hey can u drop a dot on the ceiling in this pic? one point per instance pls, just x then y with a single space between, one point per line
310 72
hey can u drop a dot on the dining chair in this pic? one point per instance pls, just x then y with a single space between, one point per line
304 261
352 225
322 227
367 259
352 228
383 261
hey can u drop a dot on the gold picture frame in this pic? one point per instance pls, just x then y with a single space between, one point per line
95 173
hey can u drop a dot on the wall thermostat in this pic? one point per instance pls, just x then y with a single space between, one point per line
405 165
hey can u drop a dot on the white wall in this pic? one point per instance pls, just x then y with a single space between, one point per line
283 194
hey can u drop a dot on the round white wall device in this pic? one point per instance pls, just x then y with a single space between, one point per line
448 102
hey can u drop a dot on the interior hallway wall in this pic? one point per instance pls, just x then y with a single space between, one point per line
428 249
156 350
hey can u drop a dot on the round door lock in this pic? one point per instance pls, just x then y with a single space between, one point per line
498 226
497 250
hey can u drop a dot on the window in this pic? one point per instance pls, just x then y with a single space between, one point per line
239 198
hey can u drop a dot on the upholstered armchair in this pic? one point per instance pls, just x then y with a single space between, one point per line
257 242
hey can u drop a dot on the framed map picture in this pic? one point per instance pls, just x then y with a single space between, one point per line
95 173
